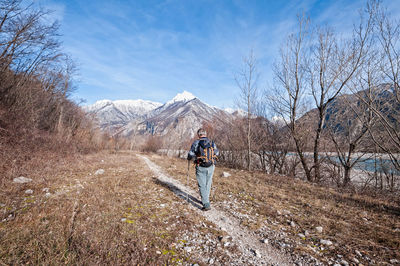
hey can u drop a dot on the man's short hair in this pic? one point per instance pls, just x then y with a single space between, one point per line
201 132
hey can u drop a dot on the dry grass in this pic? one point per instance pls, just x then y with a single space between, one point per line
370 225
119 217
125 217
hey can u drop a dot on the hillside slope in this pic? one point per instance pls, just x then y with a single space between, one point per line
111 209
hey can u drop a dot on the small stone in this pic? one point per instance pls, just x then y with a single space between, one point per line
48 194
302 236
162 205
306 233
225 174
227 244
344 263
188 249
365 219
278 212
358 253
319 229
211 261
46 189
256 253
355 260
99 172
394 261
265 241
292 224
22 180
223 239
326 242
158 252
29 191
123 220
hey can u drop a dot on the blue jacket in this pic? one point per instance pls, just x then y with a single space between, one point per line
194 150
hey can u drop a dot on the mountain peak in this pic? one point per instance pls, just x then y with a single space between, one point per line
185 96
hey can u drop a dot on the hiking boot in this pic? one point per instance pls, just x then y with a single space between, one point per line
206 208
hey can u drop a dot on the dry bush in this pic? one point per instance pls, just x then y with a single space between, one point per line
152 144
230 138
38 121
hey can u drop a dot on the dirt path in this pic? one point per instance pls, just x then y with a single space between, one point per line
252 249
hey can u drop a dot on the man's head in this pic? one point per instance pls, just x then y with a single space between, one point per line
201 133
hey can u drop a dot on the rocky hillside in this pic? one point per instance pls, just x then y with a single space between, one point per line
182 115
112 115
345 114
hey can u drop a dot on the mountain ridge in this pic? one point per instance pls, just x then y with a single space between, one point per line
182 115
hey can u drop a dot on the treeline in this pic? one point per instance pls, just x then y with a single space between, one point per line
36 80
334 103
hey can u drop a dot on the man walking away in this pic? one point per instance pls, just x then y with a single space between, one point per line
204 152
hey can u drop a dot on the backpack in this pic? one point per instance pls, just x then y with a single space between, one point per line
206 156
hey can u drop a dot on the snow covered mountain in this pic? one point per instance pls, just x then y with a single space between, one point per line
115 114
181 116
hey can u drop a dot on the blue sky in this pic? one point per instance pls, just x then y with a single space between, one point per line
153 50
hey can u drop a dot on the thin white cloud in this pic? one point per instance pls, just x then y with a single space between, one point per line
123 48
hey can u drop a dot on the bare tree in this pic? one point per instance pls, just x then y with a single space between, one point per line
68 71
288 98
246 80
333 66
229 137
320 65
350 134
26 41
388 112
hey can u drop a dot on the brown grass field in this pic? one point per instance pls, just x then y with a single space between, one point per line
367 224
119 217
124 217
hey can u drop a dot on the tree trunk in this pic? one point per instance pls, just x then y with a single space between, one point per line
60 119
317 161
346 179
248 133
303 162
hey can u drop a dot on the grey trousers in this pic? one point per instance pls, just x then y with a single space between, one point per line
204 177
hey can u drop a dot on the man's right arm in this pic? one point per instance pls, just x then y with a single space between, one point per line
192 152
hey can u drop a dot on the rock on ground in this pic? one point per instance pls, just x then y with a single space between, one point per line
225 174
326 242
22 180
99 172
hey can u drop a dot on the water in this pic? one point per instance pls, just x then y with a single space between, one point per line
367 164
372 165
